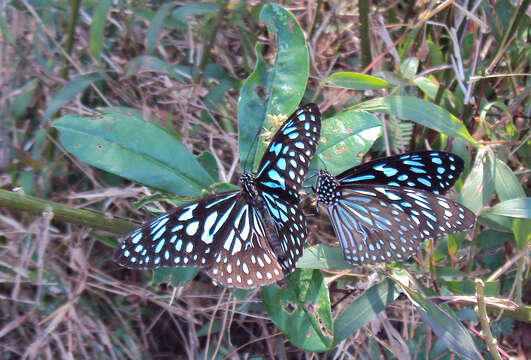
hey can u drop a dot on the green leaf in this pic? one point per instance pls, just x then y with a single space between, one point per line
22 101
4 28
506 183
522 233
323 257
121 142
364 308
409 67
97 27
301 309
68 92
153 63
467 287
450 331
479 185
517 208
344 136
175 276
194 9
272 90
420 111
357 81
153 31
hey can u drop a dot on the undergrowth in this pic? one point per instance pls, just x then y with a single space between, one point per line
113 112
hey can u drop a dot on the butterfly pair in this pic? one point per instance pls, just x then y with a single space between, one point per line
381 211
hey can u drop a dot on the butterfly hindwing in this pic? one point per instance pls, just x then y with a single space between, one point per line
381 224
434 171
290 225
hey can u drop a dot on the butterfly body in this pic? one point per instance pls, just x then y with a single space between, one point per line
377 219
246 238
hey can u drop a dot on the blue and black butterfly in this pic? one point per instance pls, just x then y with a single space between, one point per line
384 209
246 238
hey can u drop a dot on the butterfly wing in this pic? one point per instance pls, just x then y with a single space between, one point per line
280 177
222 233
290 225
434 171
381 224
286 159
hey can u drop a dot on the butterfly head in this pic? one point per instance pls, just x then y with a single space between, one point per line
326 188
248 183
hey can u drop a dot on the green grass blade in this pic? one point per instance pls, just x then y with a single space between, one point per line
97 27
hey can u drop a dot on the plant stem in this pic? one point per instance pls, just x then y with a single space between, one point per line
70 32
32 204
366 58
484 320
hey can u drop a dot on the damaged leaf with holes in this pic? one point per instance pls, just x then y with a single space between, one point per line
343 136
301 309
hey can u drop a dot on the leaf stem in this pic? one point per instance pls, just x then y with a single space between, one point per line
32 204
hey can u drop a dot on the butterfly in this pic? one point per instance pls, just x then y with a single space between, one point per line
246 238
382 210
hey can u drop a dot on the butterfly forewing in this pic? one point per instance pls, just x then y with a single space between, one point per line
381 224
434 171
185 237
286 159
279 179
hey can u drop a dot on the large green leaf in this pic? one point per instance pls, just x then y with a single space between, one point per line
420 111
275 89
343 137
364 308
301 309
121 142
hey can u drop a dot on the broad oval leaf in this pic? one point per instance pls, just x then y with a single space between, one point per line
301 309
344 136
120 142
357 81
272 90
420 111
